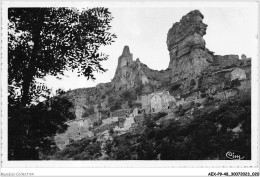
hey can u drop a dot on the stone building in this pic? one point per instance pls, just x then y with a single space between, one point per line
77 129
226 94
78 111
110 120
139 119
227 60
128 122
156 102
104 127
135 112
238 73
146 103
160 101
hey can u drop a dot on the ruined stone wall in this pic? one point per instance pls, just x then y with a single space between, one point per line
227 60
226 94
247 70
146 101
109 120
238 73
231 93
128 122
139 119
121 113
201 100
96 117
83 98
156 103
245 85
104 127
77 129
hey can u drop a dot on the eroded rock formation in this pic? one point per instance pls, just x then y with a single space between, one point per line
188 54
191 65
130 73
194 76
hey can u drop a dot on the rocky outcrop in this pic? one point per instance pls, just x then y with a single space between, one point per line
125 59
195 78
227 60
190 24
130 73
189 59
124 73
190 63
188 54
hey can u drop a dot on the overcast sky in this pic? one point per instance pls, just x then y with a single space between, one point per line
232 29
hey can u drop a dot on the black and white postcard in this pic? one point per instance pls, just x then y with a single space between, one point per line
142 85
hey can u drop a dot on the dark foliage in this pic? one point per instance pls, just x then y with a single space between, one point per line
110 100
103 96
200 139
88 111
159 115
116 106
174 87
48 41
60 92
128 95
139 88
235 83
33 131
45 41
85 149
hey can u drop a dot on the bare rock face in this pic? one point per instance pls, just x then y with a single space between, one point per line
130 73
189 58
125 59
194 75
126 70
227 60
190 61
188 26
188 54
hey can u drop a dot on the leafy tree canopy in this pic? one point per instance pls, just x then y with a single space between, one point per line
48 41
44 41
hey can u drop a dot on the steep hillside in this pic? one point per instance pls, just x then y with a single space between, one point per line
200 102
213 131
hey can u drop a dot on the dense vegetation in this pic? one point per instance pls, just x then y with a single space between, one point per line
41 42
31 131
204 137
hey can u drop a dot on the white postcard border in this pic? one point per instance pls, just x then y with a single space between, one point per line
109 164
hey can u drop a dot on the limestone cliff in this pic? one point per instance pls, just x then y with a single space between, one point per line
130 73
188 54
190 61
195 77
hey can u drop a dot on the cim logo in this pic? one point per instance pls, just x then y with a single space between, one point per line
235 155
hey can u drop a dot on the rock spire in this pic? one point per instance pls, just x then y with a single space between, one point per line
188 54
